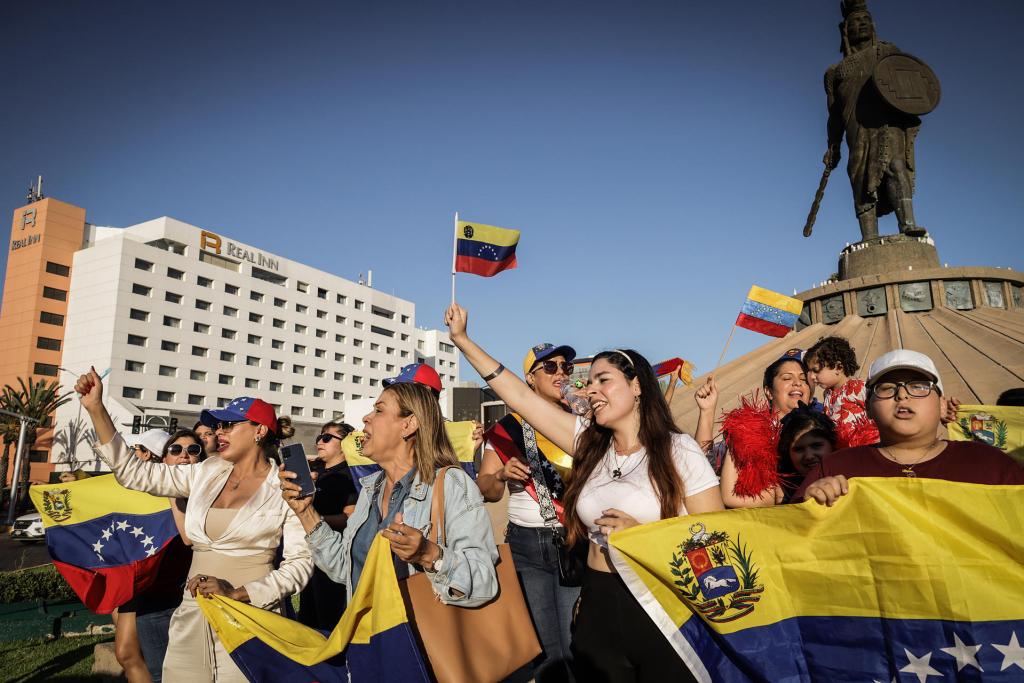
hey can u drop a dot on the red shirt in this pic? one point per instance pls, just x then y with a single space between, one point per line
965 461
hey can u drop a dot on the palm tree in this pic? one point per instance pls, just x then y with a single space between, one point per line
9 429
37 400
75 432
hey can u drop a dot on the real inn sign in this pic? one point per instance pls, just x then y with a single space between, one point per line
209 241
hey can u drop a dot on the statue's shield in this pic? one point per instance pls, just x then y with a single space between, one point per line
907 84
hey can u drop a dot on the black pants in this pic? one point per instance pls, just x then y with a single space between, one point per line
615 641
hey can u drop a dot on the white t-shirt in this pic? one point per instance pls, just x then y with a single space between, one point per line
523 510
632 491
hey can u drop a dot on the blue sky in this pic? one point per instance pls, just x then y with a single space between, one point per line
659 157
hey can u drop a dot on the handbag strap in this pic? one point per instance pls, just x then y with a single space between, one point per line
547 508
437 505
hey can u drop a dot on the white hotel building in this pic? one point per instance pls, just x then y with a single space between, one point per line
186 319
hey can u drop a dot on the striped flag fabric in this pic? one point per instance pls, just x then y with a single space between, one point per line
484 250
459 433
105 540
769 312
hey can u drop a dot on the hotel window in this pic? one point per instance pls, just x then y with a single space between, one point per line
390 351
280 303
143 264
302 287
301 329
134 366
275 386
136 340
173 298
202 305
225 333
197 375
299 369
166 345
338 396
341 299
322 315
320 353
321 293
296 410
357 324
199 351
136 314
252 383
318 372
51 318
171 322
320 334
230 289
318 393
201 328
252 361
45 369
204 281
57 269
255 339
318 412
55 294
339 414
356 397
389 368
340 338
301 308
405 337
276 344
168 371
405 319
131 392
382 312
222 401
255 318
357 343
256 296
231 311
404 354
339 357
356 379
339 376
356 360
227 356
278 323
374 346
165 396
297 390
225 379
175 274
359 305
340 319
374 382
374 364
141 290
447 348
196 400
276 365
299 348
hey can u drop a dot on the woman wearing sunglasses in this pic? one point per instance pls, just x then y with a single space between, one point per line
236 520
535 514
323 601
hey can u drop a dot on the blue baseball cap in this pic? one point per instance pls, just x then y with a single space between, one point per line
240 409
545 350
416 373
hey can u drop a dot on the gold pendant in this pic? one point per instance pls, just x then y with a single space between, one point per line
909 472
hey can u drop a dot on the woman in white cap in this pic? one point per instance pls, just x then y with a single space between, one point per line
235 519
905 399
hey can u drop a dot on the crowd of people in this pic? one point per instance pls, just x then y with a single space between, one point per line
246 531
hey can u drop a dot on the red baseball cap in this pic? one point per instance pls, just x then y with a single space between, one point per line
417 373
240 409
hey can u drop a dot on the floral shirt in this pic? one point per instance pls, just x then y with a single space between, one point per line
847 406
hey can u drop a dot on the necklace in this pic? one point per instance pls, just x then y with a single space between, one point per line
908 468
238 482
616 472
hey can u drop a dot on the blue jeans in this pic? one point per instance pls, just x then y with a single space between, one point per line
550 603
152 628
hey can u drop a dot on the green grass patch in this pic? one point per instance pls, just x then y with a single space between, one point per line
37 583
36 659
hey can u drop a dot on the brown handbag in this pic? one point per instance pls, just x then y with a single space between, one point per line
482 644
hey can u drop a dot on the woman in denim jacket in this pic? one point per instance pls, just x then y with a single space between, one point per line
404 434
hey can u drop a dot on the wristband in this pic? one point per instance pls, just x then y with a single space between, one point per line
497 371
316 527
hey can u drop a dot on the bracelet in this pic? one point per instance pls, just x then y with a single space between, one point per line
500 369
316 527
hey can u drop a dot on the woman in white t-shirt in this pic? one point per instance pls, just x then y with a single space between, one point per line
631 465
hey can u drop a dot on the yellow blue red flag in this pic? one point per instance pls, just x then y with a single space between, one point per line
769 312
902 579
105 540
484 249
999 426
373 641
459 433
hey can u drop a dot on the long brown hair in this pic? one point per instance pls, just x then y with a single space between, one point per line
431 447
656 431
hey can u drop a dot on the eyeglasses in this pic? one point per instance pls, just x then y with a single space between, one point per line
915 389
226 426
176 449
551 367
326 438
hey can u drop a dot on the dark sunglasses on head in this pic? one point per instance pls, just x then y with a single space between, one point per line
176 449
551 367
326 438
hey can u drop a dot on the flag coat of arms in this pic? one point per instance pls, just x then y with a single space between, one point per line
484 249
459 433
999 426
769 312
902 579
105 540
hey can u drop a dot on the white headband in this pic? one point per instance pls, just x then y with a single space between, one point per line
626 356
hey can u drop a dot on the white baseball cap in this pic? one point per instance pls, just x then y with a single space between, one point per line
903 359
152 439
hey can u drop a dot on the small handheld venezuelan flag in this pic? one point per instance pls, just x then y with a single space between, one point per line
484 249
769 312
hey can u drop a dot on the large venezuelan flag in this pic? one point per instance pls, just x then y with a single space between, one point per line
999 426
484 249
459 433
902 579
105 540
373 641
769 312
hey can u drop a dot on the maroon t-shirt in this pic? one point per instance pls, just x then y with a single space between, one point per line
965 461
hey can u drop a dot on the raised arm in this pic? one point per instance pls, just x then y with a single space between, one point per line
551 421
706 397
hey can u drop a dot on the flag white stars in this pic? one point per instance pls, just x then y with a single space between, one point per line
107 534
98 547
148 540
1013 653
920 666
136 531
122 525
966 655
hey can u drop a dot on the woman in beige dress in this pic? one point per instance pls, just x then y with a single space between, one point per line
235 519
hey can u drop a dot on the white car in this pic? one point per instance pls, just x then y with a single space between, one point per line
29 528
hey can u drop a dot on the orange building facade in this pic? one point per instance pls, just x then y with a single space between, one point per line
44 237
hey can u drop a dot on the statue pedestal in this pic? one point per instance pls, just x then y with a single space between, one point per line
887 254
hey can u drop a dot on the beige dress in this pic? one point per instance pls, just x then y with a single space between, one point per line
238 546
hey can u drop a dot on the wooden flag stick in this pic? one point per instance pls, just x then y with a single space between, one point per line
727 342
455 243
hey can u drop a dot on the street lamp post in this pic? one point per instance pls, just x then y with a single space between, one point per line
24 420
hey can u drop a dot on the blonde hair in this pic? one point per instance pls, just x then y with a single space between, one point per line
431 447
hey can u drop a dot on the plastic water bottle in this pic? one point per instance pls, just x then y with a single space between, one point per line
578 405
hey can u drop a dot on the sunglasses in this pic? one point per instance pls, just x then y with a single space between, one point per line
227 426
551 367
326 438
176 449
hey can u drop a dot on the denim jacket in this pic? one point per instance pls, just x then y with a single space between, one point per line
467 577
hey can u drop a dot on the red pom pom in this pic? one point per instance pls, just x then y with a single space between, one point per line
861 431
752 435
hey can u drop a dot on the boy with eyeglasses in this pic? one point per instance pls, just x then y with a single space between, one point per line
905 399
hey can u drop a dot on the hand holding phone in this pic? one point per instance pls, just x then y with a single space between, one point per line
294 458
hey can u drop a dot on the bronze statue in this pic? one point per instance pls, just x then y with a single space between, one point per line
875 96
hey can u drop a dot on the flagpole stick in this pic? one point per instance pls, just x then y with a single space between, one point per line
455 241
727 342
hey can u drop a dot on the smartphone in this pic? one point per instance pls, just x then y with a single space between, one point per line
294 457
